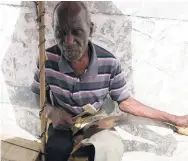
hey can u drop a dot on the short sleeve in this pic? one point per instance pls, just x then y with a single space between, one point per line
118 84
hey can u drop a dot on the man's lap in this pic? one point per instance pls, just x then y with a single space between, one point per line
59 144
107 144
104 141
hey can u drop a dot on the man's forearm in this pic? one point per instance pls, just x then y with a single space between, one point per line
136 108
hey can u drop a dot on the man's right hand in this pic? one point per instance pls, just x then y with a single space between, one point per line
58 116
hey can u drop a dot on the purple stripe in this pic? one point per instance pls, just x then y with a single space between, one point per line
99 75
74 109
36 84
53 57
53 72
59 89
90 91
119 89
107 59
117 78
79 95
107 62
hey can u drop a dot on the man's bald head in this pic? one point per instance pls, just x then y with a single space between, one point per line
72 8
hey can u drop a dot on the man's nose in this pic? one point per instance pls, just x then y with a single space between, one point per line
69 39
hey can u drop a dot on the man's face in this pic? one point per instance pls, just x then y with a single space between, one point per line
71 31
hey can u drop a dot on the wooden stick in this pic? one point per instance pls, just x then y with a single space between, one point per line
41 11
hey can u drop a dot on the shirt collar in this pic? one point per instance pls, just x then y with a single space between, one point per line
92 70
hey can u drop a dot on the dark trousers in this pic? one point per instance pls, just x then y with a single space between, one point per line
60 145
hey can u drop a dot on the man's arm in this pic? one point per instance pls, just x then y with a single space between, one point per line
136 108
56 115
119 92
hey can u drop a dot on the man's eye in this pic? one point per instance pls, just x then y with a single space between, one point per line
59 34
77 32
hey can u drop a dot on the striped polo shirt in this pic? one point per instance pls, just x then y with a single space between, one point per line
104 77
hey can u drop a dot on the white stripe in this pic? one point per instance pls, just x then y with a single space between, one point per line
121 73
119 89
107 59
55 55
102 75
61 74
36 82
63 90
76 109
90 91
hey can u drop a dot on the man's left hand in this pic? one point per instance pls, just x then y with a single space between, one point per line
182 121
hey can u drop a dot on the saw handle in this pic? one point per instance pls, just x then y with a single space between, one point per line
181 130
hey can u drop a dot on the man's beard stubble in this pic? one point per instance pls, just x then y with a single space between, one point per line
73 55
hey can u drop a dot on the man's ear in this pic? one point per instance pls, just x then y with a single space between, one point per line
91 29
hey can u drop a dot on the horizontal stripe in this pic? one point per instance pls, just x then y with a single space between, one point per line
106 59
107 63
59 90
54 49
120 97
105 70
96 104
60 83
118 77
79 102
90 92
36 84
59 75
53 57
74 109
37 76
85 100
72 92
97 78
118 91
117 82
80 94
35 88
117 85
66 100
52 65
84 86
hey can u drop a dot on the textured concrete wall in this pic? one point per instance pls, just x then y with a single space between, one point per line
153 52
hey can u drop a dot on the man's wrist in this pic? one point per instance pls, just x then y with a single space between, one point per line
173 119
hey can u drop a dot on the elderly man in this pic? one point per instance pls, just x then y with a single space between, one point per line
79 72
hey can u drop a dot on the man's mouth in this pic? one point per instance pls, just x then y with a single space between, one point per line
71 52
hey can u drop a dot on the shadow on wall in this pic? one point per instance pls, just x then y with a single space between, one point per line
112 31
159 144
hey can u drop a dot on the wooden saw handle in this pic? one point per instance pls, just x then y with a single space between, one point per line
181 130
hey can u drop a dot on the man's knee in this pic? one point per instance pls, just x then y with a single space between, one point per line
58 150
59 145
